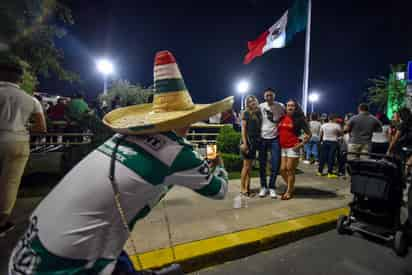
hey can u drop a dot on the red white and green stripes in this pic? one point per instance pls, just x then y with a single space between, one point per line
167 76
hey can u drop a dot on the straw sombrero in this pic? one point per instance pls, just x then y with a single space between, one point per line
172 105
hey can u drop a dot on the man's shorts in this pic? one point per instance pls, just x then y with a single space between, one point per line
354 149
290 153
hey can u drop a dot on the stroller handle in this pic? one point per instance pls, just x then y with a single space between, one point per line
385 156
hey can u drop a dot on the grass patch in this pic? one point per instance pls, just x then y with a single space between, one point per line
234 175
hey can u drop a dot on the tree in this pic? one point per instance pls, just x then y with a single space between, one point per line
388 90
128 93
29 28
29 80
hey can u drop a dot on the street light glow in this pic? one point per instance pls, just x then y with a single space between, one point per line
104 66
313 97
243 86
400 75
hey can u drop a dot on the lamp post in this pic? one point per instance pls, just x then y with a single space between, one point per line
106 68
243 88
313 98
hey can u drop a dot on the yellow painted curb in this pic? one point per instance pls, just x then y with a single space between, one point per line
255 239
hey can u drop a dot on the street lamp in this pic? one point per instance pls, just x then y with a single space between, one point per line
106 68
313 98
400 75
243 88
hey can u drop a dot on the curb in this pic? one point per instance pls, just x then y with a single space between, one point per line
200 254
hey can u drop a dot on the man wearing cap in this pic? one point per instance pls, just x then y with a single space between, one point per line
16 108
80 227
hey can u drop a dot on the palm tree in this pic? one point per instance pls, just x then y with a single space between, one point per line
388 92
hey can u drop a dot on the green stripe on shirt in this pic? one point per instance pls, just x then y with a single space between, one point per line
185 160
212 189
142 163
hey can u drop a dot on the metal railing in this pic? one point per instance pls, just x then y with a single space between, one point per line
60 138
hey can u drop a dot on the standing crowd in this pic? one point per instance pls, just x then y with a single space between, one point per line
326 141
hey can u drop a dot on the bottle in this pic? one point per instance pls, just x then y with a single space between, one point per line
237 202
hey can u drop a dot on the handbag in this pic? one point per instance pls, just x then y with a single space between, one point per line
125 265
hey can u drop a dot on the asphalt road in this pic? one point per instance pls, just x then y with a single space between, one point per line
327 253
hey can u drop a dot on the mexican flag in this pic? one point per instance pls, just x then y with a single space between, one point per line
281 33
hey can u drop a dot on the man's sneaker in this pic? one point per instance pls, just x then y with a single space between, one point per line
263 192
332 176
306 162
272 193
6 228
319 174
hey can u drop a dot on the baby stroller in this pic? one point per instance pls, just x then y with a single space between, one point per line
377 185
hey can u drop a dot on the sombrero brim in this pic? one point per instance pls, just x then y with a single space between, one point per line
141 119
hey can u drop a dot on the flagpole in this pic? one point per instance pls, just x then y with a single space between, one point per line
307 60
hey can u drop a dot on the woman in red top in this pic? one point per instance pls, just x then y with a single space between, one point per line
290 128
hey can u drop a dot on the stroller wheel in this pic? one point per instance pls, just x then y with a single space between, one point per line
400 243
341 225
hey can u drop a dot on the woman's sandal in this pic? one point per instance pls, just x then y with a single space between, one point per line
287 196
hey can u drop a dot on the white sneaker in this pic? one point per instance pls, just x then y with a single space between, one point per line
263 192
273 194
306 162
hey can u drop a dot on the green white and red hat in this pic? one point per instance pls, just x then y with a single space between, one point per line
172 105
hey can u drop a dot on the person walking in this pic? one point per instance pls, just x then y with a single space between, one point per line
16 108
272 111
361 128
290 128
82 226
329 134
312 147
251 126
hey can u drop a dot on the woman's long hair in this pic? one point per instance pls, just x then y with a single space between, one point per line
247 107
298 118
406 115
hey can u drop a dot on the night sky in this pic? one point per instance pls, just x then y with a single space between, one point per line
352 41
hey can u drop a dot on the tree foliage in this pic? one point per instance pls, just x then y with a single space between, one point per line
29 80
29 27
228 140
129 94
386 89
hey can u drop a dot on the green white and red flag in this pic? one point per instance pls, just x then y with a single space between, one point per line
281 33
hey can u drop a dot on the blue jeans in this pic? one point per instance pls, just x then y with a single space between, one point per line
311 148
274 147
328 151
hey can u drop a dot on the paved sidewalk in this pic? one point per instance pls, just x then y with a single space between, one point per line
191 217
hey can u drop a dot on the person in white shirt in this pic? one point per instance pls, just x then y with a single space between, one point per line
16 108
272 111
380 140
329 134
311 148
